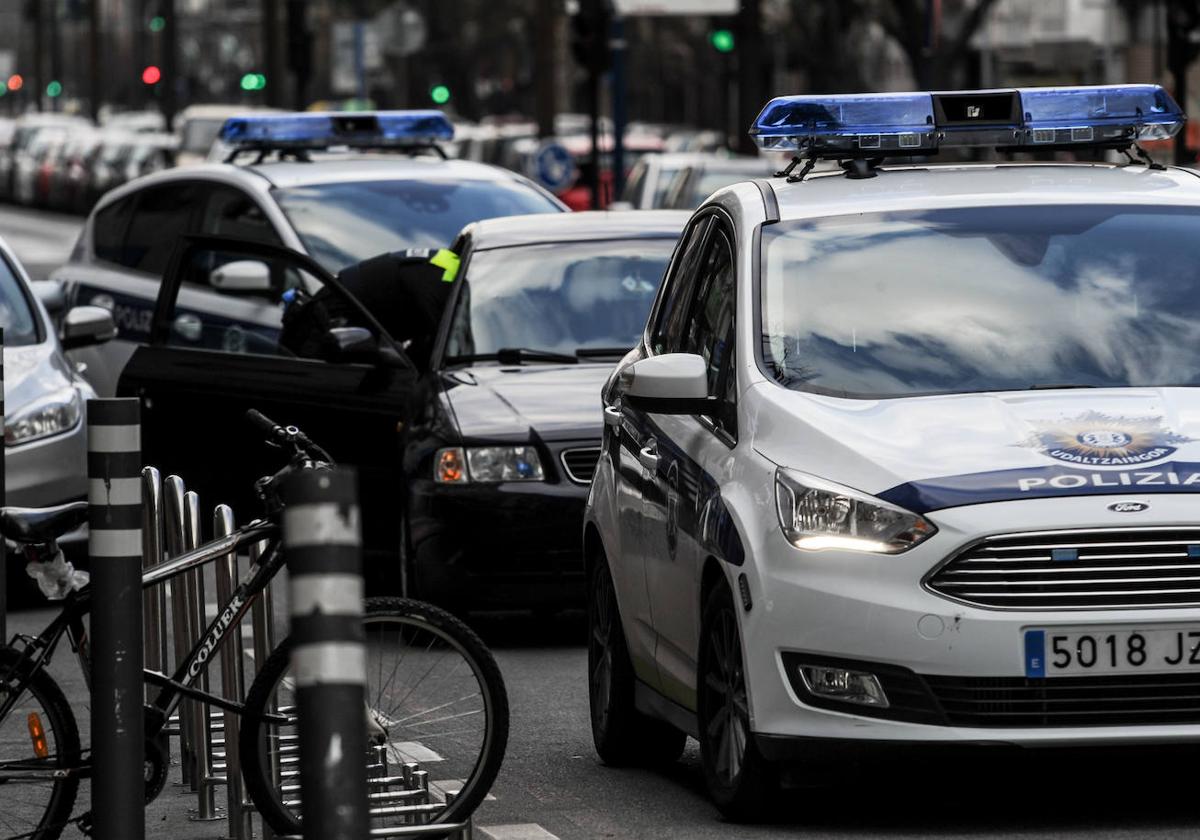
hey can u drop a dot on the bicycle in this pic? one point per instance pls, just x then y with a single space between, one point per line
421 700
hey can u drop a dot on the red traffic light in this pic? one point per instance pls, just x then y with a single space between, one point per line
151 75
15 81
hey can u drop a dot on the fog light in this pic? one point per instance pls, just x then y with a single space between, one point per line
847 686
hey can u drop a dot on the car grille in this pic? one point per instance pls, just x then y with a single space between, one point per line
1105 569
580 464
1068 701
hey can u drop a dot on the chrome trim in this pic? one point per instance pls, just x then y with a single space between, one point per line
562 459
982 544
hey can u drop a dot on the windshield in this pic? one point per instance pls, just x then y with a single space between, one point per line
559 297
983 299
341 224
16 315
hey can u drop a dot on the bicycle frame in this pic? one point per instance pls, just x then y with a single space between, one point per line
39 649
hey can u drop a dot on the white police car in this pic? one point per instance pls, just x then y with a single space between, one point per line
280 187
910 454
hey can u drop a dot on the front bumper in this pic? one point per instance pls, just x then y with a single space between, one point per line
873 610
498 546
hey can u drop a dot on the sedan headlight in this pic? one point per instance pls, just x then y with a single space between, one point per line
46 416
487 464
817 514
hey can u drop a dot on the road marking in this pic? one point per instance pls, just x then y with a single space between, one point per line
409 751
444 786
515 831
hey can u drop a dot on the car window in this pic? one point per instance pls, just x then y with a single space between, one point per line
345 223
161 215
633 187
709 330
16 314
108 230
672 316
230 212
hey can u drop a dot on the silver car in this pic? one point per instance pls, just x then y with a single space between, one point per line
44 395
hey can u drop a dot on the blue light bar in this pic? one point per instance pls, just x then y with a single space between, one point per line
354 129
884 124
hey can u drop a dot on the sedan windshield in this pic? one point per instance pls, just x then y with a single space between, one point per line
560 298
341 224
983 299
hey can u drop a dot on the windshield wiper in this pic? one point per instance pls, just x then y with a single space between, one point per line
1054 386
601 352
516 356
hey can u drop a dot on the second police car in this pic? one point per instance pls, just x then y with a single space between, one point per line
281 186
909 454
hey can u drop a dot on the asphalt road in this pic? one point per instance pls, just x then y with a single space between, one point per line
553 786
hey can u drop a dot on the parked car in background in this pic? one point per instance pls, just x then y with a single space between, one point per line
149 153
198 127
648 180
109 165
25 128
696 180
69 171
29 173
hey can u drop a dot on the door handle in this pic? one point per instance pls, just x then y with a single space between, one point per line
648 456
612 416
188 327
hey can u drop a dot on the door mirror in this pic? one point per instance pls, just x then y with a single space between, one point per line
51 293
85 326
353 344
242 277
673 383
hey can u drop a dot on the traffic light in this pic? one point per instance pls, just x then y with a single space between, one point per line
254 81
158 23
440 94
722 40
590 35
54 89
151 75
15 82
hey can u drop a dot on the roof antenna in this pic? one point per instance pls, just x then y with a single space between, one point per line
1144 156
786 172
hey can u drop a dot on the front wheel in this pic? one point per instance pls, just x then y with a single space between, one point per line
434 696
38 736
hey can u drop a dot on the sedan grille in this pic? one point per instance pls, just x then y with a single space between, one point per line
580 464
1104 569
1068 701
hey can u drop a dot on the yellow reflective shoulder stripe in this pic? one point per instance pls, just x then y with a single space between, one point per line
448 262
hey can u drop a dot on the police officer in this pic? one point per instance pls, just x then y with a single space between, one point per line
406 291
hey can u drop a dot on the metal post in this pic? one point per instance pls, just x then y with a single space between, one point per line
202 720
152 555
262 621
115 551
181 613
618 92
232 683
3 501
323 540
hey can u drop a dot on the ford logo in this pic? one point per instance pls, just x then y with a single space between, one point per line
1129 507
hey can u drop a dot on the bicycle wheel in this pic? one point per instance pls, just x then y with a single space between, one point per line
37 736
434 697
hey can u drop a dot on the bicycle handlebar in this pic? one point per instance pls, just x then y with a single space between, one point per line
264 424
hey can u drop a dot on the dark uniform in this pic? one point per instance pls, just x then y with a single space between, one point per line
405 291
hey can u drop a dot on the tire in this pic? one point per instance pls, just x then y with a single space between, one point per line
480 716
623 736
740 781
35 810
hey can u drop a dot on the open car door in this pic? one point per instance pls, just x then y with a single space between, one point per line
203 369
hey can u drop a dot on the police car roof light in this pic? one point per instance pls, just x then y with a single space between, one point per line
893 124
367 129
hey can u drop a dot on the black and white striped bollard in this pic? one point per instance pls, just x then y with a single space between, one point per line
115 551
3 501
323 544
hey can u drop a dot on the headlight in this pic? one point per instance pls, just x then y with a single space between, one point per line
487 464
50 415
817 514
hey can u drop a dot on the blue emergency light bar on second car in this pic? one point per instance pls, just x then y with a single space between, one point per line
850 125
363 130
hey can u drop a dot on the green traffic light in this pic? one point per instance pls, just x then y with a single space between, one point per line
3 88
722 40
440 94
158 23
54 89
253 81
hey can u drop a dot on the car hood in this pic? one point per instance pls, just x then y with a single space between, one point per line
929 453
32 371
511 402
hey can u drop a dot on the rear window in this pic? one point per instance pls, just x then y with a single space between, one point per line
341 224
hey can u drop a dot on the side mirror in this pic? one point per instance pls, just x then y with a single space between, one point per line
673 383
85 326
353 344
244 277
51 293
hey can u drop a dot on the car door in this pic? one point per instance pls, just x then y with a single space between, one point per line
692 455
196 384
638 497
